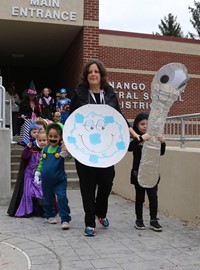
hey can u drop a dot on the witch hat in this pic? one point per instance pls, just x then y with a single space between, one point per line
31 91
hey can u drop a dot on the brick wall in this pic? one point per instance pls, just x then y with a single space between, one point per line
146 60
90 43
91 10
82 48
91 33
71 67
132 59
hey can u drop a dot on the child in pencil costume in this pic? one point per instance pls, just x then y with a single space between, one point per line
136 146
54 178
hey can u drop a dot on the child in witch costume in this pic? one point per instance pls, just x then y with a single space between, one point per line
19 186
54 179
29 205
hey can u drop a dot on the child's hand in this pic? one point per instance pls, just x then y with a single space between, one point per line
13 100
29 144
64 152
161 138
145 137
37 177
63 147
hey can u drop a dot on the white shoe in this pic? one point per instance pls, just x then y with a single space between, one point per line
52 220
65 225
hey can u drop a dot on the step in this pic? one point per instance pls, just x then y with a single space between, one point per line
70 174
14 166
68 165
15 158
16 147
16 152
72 183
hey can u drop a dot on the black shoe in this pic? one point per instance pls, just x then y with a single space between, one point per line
154 225
22 143
139 224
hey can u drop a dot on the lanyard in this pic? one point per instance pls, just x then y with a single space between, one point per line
102 99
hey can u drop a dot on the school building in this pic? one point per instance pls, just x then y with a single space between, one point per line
49 41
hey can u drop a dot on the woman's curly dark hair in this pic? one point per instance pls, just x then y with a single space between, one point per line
102 71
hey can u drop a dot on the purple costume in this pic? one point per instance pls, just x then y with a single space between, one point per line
31 189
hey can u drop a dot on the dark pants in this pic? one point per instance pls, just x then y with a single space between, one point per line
95 202
48 203
140 198
64 116
16 128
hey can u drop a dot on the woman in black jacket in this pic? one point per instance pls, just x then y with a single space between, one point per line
95 89
29 111
140 127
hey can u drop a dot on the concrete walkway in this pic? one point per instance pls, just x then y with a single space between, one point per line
31 243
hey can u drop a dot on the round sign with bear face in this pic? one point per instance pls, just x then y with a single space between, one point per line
96 135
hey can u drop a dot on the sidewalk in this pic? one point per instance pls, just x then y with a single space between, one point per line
31 243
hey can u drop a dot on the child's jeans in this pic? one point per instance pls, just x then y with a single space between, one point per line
59 190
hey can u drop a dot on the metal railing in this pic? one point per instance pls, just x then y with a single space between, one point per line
2 104
9 104
183 128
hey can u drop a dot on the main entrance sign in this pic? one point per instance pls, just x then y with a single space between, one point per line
44 14
52 11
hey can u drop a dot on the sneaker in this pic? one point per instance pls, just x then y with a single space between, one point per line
154 225
139 224
65 225
52 220
89 231
104 222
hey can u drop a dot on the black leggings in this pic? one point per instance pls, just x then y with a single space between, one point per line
95 203
140 198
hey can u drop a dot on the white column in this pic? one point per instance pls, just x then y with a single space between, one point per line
5 166
5 158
